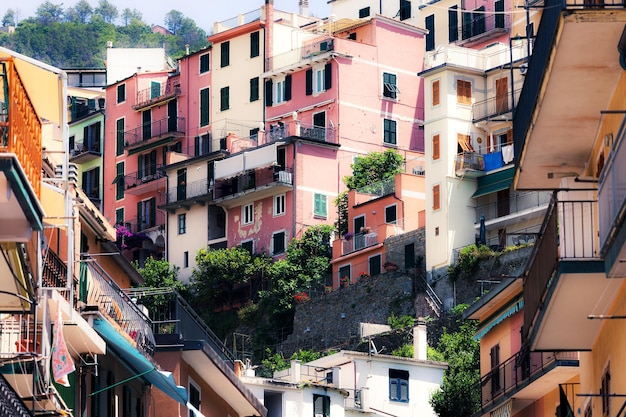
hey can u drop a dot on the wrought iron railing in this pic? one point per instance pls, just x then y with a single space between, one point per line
157 129
295 128
612 190
112 301
517 203
370 236
165 90
203 187
135 179
494 106
479 23
252 180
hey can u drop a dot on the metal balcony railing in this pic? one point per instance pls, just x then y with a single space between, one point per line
517 203
519 371
380 188
157 93
481 24
54 271
112 301
172 315
253 179
612 191
469 160
299 54
494 106
370 236
193 189
150 174
168 126
295 128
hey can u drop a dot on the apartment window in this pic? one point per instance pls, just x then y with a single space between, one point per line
194 397
204 63
119 215
496 385
391 214
473 23
320 205
499 9
375 263
279 205
182 224
204 107
436 150
390 86
254 89
146 213
119 145
605 391
224 98
399 385
248 245
121 93
147 166
389 132
278 243
436 197
185 259
254 44
225 54
282 90
345 273
436 96
405 9
318 79
321 405
464 143
91 183
463 92
430 37
453 24
247 214
364 12
201 145
119 181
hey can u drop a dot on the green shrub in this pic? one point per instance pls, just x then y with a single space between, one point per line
405 351
401 322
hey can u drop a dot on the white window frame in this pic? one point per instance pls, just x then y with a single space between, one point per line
279 205
284 232
183 217
325 215
197 387
247 214
279 91
395 122
319 77
396 220
392 87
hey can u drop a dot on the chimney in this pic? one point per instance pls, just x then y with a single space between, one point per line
419 339
303 6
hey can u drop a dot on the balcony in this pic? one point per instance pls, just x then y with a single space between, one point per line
371 236
565 279
154 134
158 94
147 181
494 107
612 203
481 26
312 53
490 57
104 294
472 164
186 195
83 153
296 128
526 376
253 185
566 28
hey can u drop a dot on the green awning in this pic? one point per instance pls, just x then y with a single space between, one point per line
496 181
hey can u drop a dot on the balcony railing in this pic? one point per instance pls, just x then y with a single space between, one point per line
469 161
252 180
135 179
478 25
520 371
612 192
172 315
54 271
492 57
494 106
299 54
370 237
103 292
200 188
379 188
515 204
569 232
158 93
295 128
168 126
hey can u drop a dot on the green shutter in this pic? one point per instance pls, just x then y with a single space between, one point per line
309 82
328 76
139 216
120 137
152 204
204 107
268 92
288 87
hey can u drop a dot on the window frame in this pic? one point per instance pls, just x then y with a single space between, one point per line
429 24
279 91
224 54
224 98
364 12
390 86
120 93
247 214
323 401
398 378
197 388
436 197
436 151
254 89
280 205
319 76
204 63
255 44
284 242
186 259
119 136
120 168
464 92
343 268
317 205
395 220
205 116
436 93
390 136
182 223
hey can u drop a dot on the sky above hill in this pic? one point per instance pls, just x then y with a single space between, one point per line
204 13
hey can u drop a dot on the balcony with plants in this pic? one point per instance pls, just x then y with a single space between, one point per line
158 94
153 134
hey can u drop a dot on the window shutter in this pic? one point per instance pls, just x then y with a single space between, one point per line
85 180
268 92
140 159
196 145
436 93
152 204
139 216
153 162
436 202
453 24
309 82
328 76
467 25
430 37
436 147
96 143
288 87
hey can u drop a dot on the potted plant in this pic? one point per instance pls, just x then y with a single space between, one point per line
344 281
364 275
365 230
348 236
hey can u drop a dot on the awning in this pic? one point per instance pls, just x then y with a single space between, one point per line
237 164
229 167
138 363
494 182
484 329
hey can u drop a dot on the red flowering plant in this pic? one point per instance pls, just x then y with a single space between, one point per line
364 275
301 297
126 239
344 281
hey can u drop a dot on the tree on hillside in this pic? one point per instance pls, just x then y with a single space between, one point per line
81 13
128 16
367 171
107 11
9 18
458 395
48 13
174 21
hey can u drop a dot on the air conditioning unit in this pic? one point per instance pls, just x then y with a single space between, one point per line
523 69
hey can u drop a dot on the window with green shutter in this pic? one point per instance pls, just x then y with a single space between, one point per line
204 63
119 146
254 44
204 107
321 405
254 89
225 54
119 181
319 205
225 98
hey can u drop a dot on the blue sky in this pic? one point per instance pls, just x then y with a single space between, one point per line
204 13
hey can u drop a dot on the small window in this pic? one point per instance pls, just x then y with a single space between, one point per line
225 54
319 80
390 86
204 63
320 205
375 263
119 146
409 256
185 259
278 243
119 181
182 224
436 150
282 90
225 98
436 97
119 215
463 92
247 214
364 12
194 397
254 89
389 132
453 24
204 107
391 216
430 36
254 44
321 405
121 93
279 205
248 245
405 9
399 385
344 274
436 197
